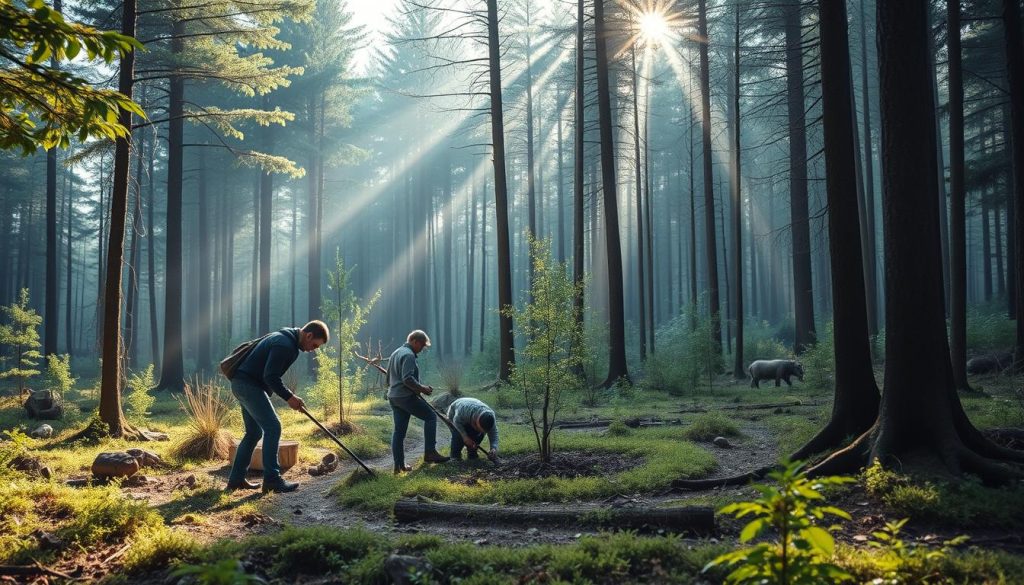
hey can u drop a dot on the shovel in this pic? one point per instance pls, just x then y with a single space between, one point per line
465 439
338 441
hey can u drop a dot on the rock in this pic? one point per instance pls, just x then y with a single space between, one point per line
114 464
314 470
146 458
77 482
405 570
722 442
531 531
329 463
136 481
480 541
156 436
45 472
43 431
41 405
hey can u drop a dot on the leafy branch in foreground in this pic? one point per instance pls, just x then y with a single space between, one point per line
42 105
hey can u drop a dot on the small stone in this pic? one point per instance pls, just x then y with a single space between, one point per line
314 470
722 442
77 482
45 472
405 570
578 535
480 541
114 464
860 537
156 436
531 531
43 431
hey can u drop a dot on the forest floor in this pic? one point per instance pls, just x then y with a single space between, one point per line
621 455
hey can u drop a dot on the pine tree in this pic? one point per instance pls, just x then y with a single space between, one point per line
20 335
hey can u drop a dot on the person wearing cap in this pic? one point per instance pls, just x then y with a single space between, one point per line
475 419
403 386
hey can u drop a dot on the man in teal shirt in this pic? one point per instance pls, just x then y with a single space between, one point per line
403 387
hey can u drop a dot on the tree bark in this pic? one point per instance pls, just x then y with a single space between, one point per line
1015 77
616 319
738 370
203 280
154 338
577 169
641 282
711 244
266 234
957 192
110 375
131 306
172 373
803 295
868 233
505 339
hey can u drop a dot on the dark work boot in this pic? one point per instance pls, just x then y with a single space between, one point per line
434 457
241 485
280 486
400 469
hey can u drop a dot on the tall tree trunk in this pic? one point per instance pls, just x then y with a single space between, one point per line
561 181
710 240
803 294
737 206
292 256
997 226
616 320
51 312
641 282
505 340
1015 77
868 232
1011 231
266 234
69 339
203 283
110 376
986 246
172 373
941 170
577 169
920 413
312 213
131 306
650 223
254 279
154 338
957 192
467 341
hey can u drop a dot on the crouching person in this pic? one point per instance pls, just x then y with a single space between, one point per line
475 419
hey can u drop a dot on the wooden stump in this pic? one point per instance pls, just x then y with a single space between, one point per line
689 519
287 455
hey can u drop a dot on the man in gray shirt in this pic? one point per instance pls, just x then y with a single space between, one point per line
403 387
475 419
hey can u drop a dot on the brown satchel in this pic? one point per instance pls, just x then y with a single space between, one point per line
229 365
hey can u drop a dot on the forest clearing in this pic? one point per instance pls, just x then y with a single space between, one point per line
511 291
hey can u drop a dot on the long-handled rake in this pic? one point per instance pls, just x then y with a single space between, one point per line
337 440
444 418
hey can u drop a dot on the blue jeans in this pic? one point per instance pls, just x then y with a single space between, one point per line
401 409
260 420
458 444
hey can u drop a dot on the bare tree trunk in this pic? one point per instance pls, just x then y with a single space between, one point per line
110 376
711 242
1015 76
266 234
154 337
868 233
172 373
616 326
131 306
203 284
738 370
506 354
641 282
957 237
803 295
467 341
69 339
577 169
254 283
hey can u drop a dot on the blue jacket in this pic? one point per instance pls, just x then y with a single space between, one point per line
269 360
402 371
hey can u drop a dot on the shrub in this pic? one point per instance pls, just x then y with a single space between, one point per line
223 572
819 361
694 358
207 414
139 400
160 547
989 329
795 512
22 339
58 375
617 428
707 426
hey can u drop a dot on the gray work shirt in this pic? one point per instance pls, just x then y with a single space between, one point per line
402 367
465 411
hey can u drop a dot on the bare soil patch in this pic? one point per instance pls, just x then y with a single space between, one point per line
564 465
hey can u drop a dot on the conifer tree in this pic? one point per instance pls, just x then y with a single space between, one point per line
21 336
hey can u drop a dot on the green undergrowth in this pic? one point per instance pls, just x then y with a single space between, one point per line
706 427
84 518
357 556
966 503
665 452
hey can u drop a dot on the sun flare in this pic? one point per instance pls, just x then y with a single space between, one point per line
654 27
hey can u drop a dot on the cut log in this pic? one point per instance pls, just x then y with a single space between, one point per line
759 406
598 423
689 519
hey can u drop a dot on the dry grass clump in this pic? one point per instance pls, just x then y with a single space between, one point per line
451 372
208 413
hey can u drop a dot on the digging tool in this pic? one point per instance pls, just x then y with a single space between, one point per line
375 362
337 440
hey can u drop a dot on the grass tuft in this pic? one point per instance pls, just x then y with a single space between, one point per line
706 427
207 413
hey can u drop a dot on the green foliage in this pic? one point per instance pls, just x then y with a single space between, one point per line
690 356
14 446
796 513
760 343
21 337
139 400
819 360
346 315
42 105
58 375
545 369
897 559
160 547
617 428
223 572
706 427
988 329
964 503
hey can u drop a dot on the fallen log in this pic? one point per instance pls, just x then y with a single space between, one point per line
633 423
758 406
689 519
